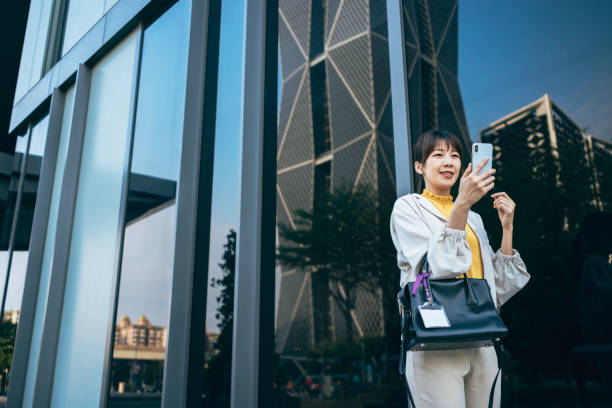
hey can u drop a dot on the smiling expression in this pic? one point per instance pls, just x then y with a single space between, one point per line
441 169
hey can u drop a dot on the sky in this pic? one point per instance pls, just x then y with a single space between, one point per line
512 52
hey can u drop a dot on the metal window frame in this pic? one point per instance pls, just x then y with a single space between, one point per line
40 221
183 370
53 316
55 34
121 19
253 335
402 139
110 331
182 379
15 218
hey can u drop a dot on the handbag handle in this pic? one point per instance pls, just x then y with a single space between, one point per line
425 272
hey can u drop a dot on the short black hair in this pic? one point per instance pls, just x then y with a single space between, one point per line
426 144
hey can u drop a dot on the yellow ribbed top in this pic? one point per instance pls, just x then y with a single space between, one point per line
445 204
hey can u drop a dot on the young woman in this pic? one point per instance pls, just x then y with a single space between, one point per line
455 241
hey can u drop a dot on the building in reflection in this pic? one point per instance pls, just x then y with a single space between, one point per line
140 334
600 159
335 130
542 150
11 316
559 177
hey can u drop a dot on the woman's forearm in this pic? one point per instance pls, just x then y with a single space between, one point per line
506 244
458 216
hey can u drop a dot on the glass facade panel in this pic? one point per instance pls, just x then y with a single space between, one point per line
45 273
336 333
471 68
20 240
150 220
81 16
89 293
225 211
546 110
34 46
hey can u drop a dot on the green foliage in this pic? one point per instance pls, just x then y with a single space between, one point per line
217 376
7 343
346 236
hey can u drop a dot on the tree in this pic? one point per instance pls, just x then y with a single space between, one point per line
343 236
218 374
8 331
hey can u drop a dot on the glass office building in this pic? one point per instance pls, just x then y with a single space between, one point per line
195 195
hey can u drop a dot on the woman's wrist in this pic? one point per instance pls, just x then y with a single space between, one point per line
461 205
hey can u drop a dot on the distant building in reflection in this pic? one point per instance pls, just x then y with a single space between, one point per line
141 334
11 316
335 130
541 152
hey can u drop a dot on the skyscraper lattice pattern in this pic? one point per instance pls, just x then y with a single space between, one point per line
335 116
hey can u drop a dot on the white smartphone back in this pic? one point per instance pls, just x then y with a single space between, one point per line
480 151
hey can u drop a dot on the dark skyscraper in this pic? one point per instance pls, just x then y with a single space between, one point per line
547 161
335 129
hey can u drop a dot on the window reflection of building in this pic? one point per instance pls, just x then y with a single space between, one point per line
140 334
557 175
541 149
11 316
335 130
19 180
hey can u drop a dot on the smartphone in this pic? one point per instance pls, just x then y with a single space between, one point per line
481 151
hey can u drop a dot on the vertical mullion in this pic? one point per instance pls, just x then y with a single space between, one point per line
402 141
59 268
253 337
186 331
55 34
109 348
267 282
36 251
22 170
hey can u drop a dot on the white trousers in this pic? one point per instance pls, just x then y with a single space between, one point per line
453 378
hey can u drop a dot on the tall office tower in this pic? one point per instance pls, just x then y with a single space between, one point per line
552 168
600 157
335 129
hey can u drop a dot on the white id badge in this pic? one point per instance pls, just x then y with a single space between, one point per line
433 315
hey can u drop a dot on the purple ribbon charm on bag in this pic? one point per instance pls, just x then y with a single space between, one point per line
422 278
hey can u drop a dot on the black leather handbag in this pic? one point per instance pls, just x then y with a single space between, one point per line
473 318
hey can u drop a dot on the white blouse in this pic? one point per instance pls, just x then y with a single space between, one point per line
418 228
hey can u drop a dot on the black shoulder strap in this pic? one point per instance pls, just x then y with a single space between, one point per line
492 394
409 394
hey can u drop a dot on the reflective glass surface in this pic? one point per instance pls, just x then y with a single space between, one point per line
336 321
225 210
45 273
150 219
530 78
89 293
34 46
546 110
20 240
81 16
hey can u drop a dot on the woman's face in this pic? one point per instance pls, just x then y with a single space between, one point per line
441 169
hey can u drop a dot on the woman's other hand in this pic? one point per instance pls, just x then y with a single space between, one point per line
505 209
473 186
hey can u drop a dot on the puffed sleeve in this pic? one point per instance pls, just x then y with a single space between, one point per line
448 252
510 272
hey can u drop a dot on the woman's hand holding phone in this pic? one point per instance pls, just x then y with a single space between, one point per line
473 186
